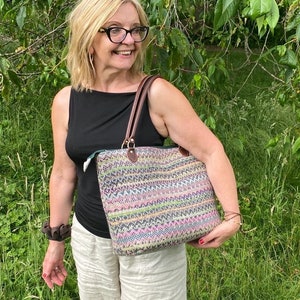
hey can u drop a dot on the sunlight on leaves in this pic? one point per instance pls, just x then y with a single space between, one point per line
21 17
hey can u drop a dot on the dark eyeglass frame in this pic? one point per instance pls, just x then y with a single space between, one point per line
109 29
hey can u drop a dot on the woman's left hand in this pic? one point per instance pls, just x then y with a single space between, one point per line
218 235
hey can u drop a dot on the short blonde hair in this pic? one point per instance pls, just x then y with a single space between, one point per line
84 22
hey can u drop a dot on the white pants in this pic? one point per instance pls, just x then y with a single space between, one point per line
102 275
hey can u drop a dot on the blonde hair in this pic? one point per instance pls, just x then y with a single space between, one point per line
84 22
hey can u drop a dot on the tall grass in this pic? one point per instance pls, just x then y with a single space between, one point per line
260 262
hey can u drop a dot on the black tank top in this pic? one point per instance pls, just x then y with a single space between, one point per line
98 120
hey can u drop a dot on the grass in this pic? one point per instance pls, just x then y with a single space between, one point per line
262 262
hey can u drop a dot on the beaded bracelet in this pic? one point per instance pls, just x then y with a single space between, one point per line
58 233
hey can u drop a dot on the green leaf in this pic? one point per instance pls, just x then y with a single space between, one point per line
298 33
14 78
21 17
260 7
224 10
1 4
238 144
180 42
296 146
1 82
292 23
160 38
211 122
289 59
4 64
197 81
273 16
261 25
281 49
211 70
198 57
5 92
272 142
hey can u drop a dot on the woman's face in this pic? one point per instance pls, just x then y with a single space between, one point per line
117 57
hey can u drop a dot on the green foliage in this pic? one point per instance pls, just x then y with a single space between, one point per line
265 12
238 63
32 37
224 11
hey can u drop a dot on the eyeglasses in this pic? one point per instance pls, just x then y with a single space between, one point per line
118 34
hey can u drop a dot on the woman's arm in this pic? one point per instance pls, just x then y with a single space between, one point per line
173 116
61 189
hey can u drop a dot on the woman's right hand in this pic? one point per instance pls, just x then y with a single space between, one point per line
54 271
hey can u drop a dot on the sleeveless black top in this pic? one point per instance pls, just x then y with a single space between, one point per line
98 120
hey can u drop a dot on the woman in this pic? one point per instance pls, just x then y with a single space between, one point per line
106 48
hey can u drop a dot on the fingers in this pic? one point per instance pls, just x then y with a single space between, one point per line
216 237
48 281
54 271
205 244
56 276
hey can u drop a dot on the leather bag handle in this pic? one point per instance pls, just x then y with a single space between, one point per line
135 115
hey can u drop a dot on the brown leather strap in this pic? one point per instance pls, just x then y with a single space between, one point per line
134 107
135 115
140 99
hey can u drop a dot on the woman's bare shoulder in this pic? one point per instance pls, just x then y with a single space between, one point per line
62 97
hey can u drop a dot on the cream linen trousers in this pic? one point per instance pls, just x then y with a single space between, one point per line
102 275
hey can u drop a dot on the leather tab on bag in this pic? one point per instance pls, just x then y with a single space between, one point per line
183 151
132 155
